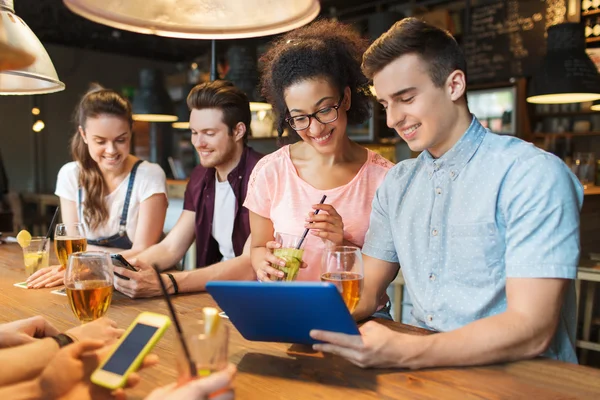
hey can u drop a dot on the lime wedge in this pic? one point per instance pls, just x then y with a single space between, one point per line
24 238
212 320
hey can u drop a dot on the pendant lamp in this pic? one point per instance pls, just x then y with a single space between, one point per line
566 74
18 44
199 19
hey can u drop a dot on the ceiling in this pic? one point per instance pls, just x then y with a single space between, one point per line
52 22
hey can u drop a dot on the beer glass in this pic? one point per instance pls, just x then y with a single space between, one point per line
343 266
89 284
68 239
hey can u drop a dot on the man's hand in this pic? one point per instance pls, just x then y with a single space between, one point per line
217 386
67 377
377 346
140 284
24 331
102 329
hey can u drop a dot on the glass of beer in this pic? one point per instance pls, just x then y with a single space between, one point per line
36 255
343 266
89 284
68 239
292 255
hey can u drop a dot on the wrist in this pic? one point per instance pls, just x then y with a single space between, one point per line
170 283
62 339
414 351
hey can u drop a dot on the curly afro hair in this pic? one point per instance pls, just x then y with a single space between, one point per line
324 49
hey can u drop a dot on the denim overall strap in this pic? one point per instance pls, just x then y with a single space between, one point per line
123 222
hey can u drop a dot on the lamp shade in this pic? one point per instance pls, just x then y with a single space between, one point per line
14 58
20 43
199 19
566 74
596 105
151 101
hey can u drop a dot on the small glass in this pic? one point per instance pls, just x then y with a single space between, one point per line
292 255
343 266
89 284
209 351
583 167
68 239
36 255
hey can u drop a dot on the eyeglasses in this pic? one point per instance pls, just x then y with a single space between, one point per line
325 115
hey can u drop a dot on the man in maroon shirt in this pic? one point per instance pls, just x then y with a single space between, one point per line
212 211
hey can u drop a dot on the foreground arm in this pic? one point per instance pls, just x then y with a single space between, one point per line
27 361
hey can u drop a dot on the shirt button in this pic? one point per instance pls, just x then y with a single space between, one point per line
434 232
438 190
430 174
452 174
432 277
430 318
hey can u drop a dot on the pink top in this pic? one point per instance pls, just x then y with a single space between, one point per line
277 192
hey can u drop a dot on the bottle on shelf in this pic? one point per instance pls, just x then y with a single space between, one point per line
596 28
586 5
588 28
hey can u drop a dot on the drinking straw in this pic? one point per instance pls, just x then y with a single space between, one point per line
186 351
52 222
307 229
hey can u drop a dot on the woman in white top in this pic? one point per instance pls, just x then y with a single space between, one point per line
120 199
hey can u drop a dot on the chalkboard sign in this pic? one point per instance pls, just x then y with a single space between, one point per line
507 38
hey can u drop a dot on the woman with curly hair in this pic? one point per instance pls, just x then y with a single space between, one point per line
312 77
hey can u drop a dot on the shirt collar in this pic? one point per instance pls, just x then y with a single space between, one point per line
455 159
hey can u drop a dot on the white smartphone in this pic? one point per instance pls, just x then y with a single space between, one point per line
133 346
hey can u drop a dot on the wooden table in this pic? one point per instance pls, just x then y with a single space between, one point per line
283 371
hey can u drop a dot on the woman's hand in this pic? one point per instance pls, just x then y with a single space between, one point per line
327 225
46 277
268 268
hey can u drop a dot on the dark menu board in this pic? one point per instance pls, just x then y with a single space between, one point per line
507 38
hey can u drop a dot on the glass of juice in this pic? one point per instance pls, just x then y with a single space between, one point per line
292 255
343 266
209 349
68 239
36 254
89 284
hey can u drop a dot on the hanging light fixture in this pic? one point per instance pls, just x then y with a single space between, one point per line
567 74
199 19
596 105
151 102
20 44
14 58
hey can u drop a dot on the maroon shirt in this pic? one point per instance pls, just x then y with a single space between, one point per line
200 198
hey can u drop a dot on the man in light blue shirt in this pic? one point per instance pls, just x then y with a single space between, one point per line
485 227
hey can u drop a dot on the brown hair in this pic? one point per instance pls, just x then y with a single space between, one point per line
323 49
97 101
436 47
225 96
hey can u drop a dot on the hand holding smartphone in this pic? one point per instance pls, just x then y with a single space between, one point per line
127 356
120 261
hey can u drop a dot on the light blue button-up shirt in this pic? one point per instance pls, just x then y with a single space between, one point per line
493 207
